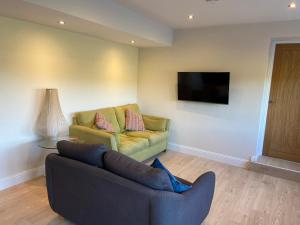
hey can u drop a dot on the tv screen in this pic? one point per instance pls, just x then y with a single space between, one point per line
204 86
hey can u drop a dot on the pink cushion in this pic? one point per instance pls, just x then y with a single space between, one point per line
134 121
102 123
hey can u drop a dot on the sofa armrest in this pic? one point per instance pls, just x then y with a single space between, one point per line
93 136
198 200
190 207
156 123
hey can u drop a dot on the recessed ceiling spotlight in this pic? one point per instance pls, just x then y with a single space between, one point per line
61 22
132 42
191 17
292 5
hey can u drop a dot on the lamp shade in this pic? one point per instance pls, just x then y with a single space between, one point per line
51 121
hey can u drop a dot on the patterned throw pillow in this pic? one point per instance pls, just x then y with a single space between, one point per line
134 121
102 123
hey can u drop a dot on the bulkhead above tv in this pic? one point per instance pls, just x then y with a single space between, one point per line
212 87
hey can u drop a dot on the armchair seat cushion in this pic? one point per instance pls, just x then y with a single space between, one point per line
129 144
153 137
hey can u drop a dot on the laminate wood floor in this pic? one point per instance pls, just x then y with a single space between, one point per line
242 196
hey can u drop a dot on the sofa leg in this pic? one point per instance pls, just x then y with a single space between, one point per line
165 150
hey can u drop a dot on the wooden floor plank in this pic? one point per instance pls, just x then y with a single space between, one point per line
242 197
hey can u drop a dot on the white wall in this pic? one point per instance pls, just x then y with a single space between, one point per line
241 49
88 72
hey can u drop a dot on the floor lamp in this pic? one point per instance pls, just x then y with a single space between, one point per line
51 123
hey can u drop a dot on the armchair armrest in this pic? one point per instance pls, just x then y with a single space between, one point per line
93 136
156 123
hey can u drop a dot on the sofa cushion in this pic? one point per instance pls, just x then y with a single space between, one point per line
134 121
178 186
120 113
154 137
136 171
87 118
129 145
102 123
87 153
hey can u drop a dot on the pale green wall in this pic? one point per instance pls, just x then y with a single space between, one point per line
88 72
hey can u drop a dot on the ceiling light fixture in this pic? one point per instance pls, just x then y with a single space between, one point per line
61 22
191 17
292 5
133 42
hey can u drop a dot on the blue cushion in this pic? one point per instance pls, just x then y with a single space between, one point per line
178 186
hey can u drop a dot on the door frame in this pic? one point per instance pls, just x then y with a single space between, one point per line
266 94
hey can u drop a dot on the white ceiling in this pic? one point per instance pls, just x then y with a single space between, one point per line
149 22
100 18
174 12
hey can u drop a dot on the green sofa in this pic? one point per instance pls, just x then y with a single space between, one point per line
139 145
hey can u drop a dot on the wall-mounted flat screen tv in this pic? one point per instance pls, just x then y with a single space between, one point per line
210 87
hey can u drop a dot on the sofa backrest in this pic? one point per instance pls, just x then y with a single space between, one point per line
139 172
115 115
87 118
87 153
120 113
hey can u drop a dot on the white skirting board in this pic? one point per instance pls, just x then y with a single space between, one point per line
39 171
234 161
21 177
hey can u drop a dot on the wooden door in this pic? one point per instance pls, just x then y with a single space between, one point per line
282 137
